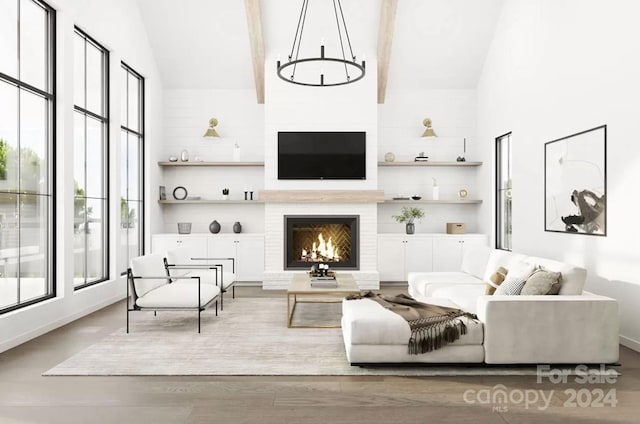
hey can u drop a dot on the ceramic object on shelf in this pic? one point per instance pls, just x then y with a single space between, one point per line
236 153
462 193
436 190
184 155
173 158
214 227
389 157
416 197
237 227
411 228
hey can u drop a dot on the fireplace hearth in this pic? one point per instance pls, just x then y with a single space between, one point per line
330 239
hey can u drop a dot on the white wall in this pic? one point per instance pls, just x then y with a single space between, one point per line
556 68
400 129
117 25
241 121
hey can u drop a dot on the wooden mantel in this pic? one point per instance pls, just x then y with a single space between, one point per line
321 196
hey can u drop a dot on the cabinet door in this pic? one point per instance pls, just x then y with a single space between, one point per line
250 257
222 247
196 246
391 258
418 254
161 243
447 253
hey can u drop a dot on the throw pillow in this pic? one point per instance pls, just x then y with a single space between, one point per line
495 280
542 282
512 286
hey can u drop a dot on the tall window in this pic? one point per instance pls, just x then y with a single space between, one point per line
27 141
503 192
132 166
90 162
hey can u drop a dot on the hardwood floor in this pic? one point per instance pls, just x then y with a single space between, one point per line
27 397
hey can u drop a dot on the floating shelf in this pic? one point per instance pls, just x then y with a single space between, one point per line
210 202
427 163
165 163
438 202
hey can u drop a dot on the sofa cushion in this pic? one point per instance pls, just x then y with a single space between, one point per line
474 260
502 258
495 280
512 286
464 296
420 281
542 282
369 323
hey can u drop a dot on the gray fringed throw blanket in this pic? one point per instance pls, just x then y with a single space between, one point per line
432 326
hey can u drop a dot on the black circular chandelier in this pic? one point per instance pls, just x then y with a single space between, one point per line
353 71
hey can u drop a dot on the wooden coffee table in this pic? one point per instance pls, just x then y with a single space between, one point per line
301 287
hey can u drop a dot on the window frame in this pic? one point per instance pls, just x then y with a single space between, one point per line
50 96
500 233
105 122
141 134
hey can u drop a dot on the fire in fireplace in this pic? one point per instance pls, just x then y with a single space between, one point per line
331 239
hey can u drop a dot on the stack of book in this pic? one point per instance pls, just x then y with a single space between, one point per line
324 282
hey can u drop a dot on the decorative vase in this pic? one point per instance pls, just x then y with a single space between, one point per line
184 156
225 197
214 227
237 227
436 190
236 153
411 228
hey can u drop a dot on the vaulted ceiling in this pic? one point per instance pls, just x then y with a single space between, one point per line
206 43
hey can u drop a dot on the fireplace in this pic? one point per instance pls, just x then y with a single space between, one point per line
330 239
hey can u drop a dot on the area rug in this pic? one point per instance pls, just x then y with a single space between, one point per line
250 337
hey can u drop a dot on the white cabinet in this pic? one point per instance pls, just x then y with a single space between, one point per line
448 250
247 250
162 243
401 254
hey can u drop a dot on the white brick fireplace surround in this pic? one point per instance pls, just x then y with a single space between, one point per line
275 277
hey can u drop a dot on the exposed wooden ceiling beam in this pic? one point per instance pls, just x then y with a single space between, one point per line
256 40
385 39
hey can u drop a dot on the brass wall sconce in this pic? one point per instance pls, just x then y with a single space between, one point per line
428 132
211 132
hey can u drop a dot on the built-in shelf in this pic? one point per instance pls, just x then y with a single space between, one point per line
438 202
427 163
206 201
179 163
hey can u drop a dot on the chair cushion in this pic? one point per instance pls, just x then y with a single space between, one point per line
148 266
208 276
183 295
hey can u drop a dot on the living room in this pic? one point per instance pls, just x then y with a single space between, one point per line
445 83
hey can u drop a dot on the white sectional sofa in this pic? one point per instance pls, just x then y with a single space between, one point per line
573 327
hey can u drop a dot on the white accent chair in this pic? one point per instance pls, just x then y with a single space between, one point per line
180 262
153 290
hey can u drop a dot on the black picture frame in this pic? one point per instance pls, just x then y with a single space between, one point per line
575 183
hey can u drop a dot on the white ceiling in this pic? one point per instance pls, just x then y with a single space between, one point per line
205 43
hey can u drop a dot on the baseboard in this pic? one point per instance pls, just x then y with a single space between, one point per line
630 343
30 335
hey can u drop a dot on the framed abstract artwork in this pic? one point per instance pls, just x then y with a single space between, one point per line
575 183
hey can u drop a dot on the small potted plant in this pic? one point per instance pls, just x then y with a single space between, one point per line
225 193
408 215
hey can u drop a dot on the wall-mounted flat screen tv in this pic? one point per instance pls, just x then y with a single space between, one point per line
322 155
